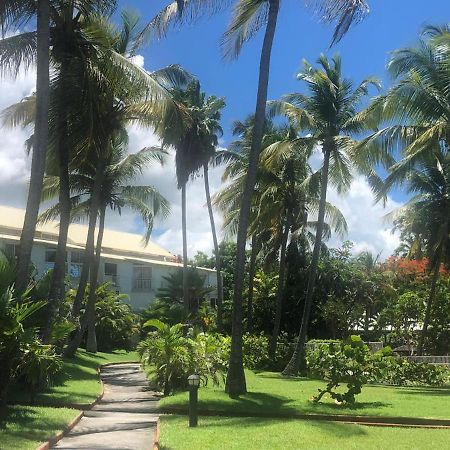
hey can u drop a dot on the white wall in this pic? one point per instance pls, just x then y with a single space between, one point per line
138 300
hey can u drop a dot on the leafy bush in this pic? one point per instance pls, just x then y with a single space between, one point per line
255 349
401 372
116 326
346 362
172 356
39 366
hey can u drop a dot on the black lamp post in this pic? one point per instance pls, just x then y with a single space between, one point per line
194 383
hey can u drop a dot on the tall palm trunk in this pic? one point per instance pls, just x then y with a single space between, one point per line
293 366
426 320
57 290
216 249
251 283
89 258
91 342
90 245
39 144
236 383
185 257
280 292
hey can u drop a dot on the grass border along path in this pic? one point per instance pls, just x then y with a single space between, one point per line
26 426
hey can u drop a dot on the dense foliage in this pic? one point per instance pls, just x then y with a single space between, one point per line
171 355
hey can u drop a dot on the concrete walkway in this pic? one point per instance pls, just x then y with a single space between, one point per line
126 417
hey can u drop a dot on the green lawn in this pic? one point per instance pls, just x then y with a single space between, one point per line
247 433
270 393
80 383
24 427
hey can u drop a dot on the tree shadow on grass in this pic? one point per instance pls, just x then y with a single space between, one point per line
30 424
427 391
269 405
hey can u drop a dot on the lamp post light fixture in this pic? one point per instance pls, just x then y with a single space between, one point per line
194 383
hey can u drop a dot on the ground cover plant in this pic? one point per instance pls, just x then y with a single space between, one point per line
250 433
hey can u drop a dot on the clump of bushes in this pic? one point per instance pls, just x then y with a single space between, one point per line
402 372
345 362
171 355
116 326
350 362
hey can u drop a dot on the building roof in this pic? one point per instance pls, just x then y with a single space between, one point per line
114 242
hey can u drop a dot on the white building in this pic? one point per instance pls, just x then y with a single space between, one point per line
134 269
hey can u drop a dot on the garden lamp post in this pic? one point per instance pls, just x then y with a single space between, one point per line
194 383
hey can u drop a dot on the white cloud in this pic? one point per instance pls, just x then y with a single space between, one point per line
139 60
367 227
365 220
14 164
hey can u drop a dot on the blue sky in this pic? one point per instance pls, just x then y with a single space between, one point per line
364 50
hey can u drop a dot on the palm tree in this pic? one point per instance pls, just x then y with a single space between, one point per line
416 111
212 107
125 94
13 13
249 16
194 147
116 194
428 180
325 118
285 191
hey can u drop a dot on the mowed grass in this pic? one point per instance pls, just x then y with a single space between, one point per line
79 381
249 433
273 395
25 427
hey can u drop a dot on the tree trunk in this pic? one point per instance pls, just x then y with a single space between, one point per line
89 257
251 283
293 366
216 249
91 343
39 145
280 292
236 384
426 320
57 291
185 257
90 246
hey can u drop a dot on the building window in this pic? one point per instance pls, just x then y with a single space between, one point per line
50 255
10 250
111 273
76 264
142 278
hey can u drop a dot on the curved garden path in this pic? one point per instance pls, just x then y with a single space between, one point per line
124 419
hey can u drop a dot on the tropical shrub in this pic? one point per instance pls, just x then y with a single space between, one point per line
255 348
402 372
15 337
39 366
116 326
171 356
345 362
